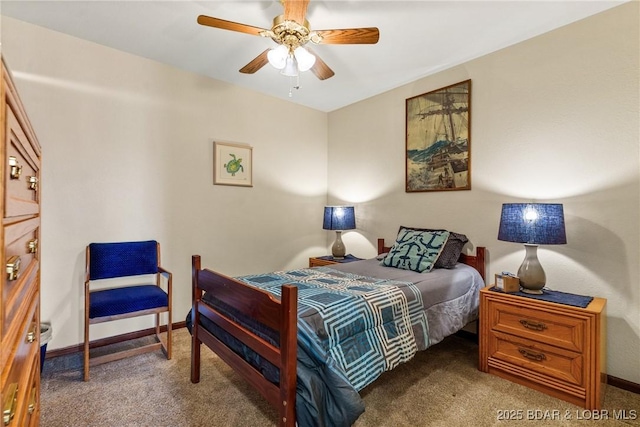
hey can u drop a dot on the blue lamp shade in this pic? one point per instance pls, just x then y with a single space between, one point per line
532 223
339 218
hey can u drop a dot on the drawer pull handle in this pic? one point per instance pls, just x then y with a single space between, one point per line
533 355
15 168
13 268
32 401
32 246
10 404
33 183
536 326
32 335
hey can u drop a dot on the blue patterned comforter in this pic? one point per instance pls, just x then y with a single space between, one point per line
365 325
351 329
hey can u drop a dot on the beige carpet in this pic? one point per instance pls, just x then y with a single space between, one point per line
439 387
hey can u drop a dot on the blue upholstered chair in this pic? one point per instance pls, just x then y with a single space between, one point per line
141 262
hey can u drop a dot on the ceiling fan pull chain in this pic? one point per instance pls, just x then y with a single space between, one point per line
292 86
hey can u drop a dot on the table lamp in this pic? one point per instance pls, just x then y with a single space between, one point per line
532 224
339 218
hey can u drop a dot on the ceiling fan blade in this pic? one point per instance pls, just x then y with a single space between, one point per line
320 68
295 10
229 25
369 35
255 64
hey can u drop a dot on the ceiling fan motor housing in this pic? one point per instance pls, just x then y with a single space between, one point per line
289 33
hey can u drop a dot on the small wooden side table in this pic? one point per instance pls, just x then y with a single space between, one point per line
552 347
328 260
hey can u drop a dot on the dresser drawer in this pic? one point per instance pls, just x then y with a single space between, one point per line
535 324
21 169
537 357
21 257
17 391
31 408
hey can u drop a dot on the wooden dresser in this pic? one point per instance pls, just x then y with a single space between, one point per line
20 296
553 348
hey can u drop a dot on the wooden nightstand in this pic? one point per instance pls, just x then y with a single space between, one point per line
554 348
328 260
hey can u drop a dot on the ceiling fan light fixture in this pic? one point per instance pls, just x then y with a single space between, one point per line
291 67
291 31
305 58
278 57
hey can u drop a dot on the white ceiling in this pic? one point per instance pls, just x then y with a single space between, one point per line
417 38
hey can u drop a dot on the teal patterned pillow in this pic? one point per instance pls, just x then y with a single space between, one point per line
416 250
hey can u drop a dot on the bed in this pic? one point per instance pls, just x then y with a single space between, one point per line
310 339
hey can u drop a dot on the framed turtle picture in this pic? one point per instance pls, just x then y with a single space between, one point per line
232 164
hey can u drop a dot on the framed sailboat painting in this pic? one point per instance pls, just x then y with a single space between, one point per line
438 139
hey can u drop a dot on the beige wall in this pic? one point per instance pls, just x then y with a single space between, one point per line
127 148
127 155
554 119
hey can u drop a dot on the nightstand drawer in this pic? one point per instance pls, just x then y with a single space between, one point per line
22 171
535 324
537 357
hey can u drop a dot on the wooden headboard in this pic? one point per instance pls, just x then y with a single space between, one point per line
476 261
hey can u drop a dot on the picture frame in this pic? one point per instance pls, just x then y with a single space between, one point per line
232 164
438 140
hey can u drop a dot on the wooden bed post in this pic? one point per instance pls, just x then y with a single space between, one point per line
195 320
480 262
288 355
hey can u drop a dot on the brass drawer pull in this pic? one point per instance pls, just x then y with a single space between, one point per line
15 168
32 246
13 268
33 183
32 335
536 326
10 404
32 401
533 355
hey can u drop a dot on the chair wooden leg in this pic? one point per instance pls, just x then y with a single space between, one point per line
169 339
86 351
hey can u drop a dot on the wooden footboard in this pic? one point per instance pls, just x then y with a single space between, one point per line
279 315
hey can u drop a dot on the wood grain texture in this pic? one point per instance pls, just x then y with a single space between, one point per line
20 294
369 35
256 63
279 315
320 69
295 10
229 25
553 348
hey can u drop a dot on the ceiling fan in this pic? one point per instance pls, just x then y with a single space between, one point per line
291 32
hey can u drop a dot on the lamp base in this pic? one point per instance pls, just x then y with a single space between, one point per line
338 250
531 274
531 291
